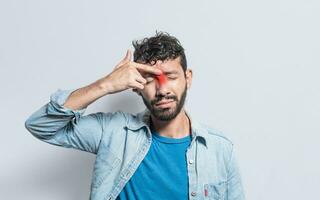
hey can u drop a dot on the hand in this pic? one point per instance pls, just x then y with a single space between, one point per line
128 74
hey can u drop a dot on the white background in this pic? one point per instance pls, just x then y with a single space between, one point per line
256 78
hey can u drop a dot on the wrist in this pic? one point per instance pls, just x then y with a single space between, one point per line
104 86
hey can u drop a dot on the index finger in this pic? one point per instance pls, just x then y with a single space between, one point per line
147 69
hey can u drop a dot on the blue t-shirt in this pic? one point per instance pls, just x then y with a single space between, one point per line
163 172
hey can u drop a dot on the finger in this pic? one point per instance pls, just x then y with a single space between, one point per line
137 86
141 80
126 59
147 69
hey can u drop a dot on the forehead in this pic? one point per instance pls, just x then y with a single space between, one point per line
171 66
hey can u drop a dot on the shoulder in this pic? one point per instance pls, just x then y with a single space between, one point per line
214 133
118 117
117 113
123 118
216 138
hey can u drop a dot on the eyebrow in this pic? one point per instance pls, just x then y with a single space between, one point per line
167 73
171 72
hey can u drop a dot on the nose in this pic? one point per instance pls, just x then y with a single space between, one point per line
162 92
161 81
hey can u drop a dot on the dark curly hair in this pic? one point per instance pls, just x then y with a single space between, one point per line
162 47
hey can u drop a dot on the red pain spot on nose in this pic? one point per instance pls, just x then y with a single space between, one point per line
162 79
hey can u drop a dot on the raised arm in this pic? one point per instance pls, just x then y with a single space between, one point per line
61 121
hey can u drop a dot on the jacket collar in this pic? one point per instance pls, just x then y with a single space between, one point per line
143 119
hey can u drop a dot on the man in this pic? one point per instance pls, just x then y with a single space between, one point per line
160 153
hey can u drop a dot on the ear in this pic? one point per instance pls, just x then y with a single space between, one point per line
189 77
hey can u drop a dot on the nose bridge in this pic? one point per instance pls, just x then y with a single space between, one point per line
161 79
161 82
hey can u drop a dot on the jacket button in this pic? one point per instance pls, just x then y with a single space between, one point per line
193 193
190 161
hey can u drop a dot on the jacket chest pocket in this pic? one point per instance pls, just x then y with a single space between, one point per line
105 162
215 191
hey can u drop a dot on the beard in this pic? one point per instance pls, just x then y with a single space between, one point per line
166 114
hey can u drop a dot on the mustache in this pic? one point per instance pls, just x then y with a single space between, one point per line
158 99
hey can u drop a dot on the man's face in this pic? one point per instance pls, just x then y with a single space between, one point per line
171 87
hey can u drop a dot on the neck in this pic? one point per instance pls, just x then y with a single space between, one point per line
176 128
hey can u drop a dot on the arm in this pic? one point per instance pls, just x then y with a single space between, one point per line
61 121
55 124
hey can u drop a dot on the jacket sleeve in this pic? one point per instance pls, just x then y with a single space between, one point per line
64 127
234 182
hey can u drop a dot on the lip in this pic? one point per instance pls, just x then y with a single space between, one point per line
164 103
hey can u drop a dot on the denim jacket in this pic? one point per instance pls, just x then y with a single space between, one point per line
121 140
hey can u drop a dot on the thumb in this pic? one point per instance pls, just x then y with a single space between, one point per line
126 59
128 56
